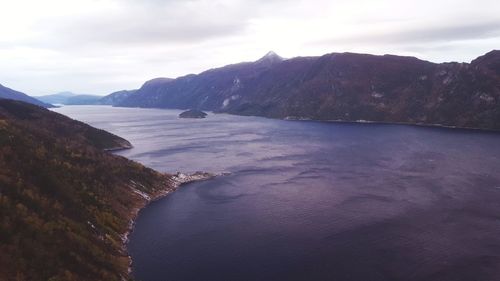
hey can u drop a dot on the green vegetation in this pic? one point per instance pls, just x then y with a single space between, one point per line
64 203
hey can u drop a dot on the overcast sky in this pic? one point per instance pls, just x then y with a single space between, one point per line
101 46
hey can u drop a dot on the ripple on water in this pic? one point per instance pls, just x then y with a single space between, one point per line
312 200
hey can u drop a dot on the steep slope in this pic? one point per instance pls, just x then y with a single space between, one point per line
207 90
341 86
7 93
64 203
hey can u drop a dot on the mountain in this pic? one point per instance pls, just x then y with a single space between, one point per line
58 98
340 86
83 100
69 98
116 97
7 93
270 58
65 203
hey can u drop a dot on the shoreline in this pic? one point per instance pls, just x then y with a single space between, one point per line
118 148
294 118
424 125
174 182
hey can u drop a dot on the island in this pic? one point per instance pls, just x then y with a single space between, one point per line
193 113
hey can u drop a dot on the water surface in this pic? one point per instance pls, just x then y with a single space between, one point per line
312 200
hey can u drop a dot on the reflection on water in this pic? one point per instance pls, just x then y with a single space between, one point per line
312 200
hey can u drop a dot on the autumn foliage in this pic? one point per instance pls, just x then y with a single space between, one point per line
64 203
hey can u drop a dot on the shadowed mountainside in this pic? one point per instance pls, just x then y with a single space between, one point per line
7 93
340 86
65 203
69 98
116 97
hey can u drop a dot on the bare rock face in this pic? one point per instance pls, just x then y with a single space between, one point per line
341 86
193 113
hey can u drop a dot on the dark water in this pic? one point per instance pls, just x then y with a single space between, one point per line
311 200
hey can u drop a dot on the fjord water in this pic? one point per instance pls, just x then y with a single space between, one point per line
311 200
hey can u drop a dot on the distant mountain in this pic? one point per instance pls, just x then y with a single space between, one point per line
69 98
7 93
340 86
83 100
116 97
65 204
58 98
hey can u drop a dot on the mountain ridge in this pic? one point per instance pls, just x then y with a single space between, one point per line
342 87
8 93
70 98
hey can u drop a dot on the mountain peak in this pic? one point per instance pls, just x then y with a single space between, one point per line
272 54
158 80
271 57
489 61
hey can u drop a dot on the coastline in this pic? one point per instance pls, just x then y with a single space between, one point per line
118 148
295 118
174 182
425 125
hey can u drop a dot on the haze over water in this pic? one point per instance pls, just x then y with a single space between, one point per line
312 200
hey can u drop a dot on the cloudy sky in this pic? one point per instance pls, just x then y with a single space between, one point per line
100 46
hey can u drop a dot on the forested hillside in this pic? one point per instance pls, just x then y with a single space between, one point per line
64 202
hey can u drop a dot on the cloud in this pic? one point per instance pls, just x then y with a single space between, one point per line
100 46
421 35
135 31
145 23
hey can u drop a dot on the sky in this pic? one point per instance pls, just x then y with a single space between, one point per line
102 46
